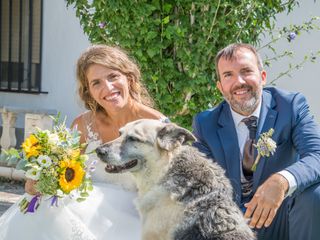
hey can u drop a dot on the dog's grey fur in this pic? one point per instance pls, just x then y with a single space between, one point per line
182 195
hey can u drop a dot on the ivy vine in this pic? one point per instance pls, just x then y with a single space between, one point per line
175 42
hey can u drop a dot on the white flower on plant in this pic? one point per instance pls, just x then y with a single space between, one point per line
53 139
44 161
88 174
84 158
33 173
59 193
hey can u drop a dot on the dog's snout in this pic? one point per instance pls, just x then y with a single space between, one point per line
101 153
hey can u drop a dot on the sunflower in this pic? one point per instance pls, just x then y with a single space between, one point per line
71 175
31 146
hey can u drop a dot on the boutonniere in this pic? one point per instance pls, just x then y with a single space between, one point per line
265 146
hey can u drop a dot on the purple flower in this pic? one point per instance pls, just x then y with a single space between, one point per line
291 36
94 162
102 24
54 201
92 169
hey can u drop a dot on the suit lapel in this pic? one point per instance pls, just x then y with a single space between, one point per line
229 142
266 121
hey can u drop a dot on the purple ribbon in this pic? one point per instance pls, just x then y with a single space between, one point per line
54 201
34 203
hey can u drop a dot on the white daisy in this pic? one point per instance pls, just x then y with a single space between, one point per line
44 161
33 173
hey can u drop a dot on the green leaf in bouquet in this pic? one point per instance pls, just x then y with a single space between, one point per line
3 157
84 194
12 152
81 199
83 158
56 118
10 157
23 205
12 161
90 187
22 164
47 183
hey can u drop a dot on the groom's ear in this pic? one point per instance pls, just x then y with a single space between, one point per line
263 77
172 136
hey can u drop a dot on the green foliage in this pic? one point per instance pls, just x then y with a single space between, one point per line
175 42
10 157
13 158
48 182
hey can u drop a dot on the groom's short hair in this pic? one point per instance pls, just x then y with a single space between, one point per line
229 53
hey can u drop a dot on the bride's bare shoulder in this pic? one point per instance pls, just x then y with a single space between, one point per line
79 121
150 113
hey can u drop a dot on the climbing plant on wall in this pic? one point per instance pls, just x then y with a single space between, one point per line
175 42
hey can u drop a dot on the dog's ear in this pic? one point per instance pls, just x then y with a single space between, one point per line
172 136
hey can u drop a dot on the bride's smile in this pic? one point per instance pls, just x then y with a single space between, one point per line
108 87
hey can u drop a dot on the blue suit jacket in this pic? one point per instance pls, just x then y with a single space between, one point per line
296 134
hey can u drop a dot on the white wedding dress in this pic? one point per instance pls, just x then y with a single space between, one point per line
108 213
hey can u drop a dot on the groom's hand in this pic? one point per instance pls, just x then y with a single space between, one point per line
265 203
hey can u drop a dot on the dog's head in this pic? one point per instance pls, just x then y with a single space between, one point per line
142 144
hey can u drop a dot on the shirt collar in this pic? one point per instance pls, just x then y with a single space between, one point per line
237 118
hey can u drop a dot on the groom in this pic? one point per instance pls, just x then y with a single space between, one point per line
282 196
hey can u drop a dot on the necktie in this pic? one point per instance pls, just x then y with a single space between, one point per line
248 152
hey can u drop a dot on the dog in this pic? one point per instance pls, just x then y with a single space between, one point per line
181 194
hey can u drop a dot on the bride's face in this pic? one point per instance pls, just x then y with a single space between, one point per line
108 87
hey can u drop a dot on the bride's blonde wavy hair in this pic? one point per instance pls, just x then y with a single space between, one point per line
116 59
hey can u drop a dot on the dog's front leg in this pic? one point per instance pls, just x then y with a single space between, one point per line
152 236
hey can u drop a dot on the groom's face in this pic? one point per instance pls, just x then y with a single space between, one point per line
241 81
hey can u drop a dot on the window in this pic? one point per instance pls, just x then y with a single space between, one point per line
20 45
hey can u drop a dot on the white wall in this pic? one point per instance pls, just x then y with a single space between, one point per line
305 80
63 41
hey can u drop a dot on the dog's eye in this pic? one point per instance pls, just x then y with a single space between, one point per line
132 139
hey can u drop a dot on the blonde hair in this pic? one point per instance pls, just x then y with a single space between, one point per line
116 59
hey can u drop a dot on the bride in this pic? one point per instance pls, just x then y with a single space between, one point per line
110 87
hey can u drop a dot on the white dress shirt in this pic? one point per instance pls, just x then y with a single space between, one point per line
243 135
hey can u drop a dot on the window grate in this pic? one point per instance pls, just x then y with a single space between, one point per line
20 45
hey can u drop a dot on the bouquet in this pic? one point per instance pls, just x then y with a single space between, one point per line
54 160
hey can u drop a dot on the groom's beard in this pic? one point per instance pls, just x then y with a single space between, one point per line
244 107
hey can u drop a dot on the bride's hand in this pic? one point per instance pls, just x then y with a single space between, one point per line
29 186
